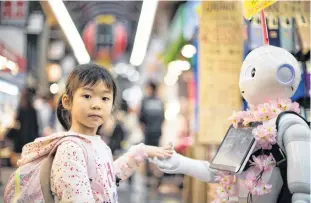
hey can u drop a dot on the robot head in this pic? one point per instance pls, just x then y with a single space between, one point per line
269 73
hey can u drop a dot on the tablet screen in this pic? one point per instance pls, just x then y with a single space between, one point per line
234 149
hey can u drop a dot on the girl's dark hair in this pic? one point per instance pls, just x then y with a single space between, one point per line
83 75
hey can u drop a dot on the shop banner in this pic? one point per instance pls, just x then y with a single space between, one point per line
289 8
8 53
220 59
14 12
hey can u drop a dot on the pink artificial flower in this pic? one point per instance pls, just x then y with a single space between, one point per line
284 104
220 174
252 107
226 191
271 132
295 107
254 186
220 200
260 133
263 162
225 179
250 185
263 188
271 140
235 119
251 174
268 115
222 192
263 108
259 116
247 117
265 135
274 107
232 190
270 128
264 112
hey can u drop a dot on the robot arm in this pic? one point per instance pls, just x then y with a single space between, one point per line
178 164
294 137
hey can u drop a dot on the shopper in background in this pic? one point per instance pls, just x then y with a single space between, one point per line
120 132
26 128
151 119
113 131
46 109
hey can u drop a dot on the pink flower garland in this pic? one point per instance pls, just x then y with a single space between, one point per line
266 137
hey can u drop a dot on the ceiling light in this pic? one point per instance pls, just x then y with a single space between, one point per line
59 9
54 88
188 51
143 31
135 77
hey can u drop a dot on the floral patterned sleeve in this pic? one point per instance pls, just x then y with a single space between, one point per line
126 165
69 177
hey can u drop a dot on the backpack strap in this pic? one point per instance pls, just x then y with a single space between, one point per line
45 171
45 182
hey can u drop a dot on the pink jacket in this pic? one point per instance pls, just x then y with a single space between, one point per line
73 166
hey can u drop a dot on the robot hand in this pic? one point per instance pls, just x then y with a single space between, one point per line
178 164
169 165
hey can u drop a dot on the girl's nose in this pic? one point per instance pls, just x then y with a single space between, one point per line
96 105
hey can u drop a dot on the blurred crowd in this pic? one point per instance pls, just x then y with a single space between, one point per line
36 117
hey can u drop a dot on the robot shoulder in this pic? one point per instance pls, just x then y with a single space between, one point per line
296 123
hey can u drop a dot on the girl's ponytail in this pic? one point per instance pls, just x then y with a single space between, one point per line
63 115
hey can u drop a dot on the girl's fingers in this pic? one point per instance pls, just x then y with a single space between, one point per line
163 152
166 154
167 148
158 155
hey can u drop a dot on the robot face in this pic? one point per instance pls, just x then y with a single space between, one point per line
269 73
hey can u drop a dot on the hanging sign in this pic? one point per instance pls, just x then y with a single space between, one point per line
14 12
252 7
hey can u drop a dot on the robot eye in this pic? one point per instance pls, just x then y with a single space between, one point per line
250 72
253 72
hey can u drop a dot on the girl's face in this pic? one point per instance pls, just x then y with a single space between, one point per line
90 108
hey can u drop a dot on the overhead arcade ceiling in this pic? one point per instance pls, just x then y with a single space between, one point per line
126 12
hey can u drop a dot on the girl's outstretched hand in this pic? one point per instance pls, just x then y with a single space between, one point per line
159 152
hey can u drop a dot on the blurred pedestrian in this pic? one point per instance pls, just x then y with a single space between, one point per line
25 128
151 119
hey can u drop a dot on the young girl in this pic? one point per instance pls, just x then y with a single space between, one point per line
88 102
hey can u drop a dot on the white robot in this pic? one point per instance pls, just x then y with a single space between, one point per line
267 73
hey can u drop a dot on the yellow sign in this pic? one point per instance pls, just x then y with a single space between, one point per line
105 19
252 7
198 9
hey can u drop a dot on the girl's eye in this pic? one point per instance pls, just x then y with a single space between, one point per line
87 96
105 99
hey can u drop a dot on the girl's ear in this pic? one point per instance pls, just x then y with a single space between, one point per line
66 102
